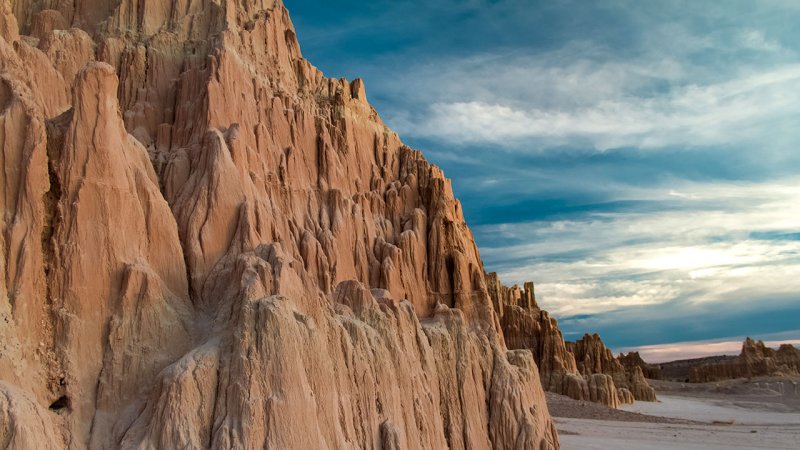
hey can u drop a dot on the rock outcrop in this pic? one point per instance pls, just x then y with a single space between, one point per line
208 244
755 360
583 370
633 359
593 357
536 331
679 370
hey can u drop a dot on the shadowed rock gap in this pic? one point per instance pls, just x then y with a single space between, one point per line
61 404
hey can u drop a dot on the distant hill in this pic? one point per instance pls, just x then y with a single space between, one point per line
680 370
755 359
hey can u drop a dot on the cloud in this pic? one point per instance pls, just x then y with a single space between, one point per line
692 115
721 243
756 40
657 76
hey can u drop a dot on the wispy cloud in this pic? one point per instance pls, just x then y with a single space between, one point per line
675 82
713 246
756 40
606 112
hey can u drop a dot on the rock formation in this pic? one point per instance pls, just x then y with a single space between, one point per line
593 357
585 370
679 370
634 359
755 360
208 244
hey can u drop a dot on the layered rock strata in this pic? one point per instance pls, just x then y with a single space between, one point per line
208 244
755 360
585 370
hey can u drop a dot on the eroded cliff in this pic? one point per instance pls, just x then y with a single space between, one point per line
208 244
755 360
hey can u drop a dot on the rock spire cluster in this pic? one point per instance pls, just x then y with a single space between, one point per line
583 370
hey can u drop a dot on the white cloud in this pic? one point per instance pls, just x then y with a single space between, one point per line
702 252
671 85
690 115
756 40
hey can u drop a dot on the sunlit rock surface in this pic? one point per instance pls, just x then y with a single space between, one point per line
208 244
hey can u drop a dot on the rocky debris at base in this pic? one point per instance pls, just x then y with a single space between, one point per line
564 406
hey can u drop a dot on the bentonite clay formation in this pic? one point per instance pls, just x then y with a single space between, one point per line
208 244
755 360
583 370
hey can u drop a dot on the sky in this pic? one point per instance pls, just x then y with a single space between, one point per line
637 160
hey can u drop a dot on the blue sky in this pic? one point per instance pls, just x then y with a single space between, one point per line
638 160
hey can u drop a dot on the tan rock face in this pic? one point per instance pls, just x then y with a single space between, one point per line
208 244
756 359
592 356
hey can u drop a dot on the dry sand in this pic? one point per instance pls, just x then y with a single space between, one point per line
737 415
596 434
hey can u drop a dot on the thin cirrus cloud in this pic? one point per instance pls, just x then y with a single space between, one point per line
675 85
732 111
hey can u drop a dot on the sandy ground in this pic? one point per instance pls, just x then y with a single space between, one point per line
603 435
706 410
738 415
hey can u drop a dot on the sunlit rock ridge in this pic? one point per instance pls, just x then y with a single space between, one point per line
208 244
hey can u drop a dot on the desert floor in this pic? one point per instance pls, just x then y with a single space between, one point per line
757 414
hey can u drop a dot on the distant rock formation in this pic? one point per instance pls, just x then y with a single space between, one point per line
755 360
593 357
633 359
585 370
679 370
